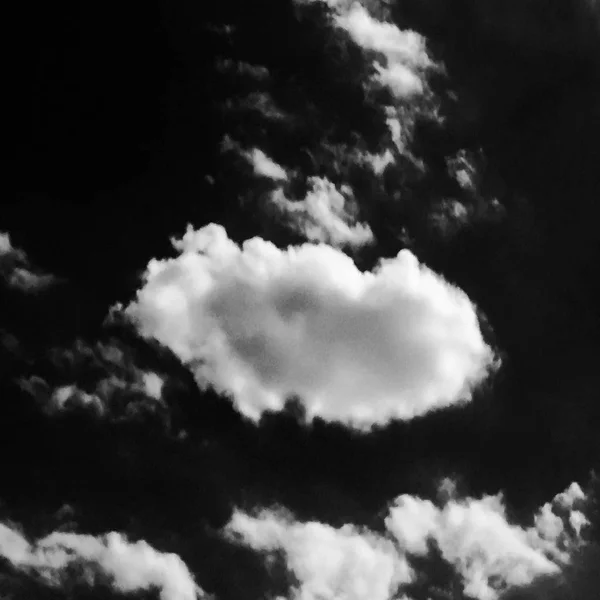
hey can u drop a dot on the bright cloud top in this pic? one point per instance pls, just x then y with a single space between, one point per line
130 566
323 216
404 51
487 554
263 324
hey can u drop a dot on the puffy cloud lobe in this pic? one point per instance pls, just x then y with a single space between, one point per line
323 216
344 563
263 324
131 566
473 535
404 51
559 523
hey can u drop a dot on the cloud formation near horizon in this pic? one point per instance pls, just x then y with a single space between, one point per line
264 324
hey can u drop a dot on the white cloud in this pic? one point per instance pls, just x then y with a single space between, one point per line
70 396
123 392
559 523
13 546
340 564
6 246
265 166
131 566
379 162
262 324
323 215
153 385
404 51
487 553
473 536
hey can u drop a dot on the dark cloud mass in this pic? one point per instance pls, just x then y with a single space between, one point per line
299 300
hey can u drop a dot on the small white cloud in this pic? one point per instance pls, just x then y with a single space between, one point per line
241 69
260 102
6 246
153 385
329 563
475 538
13 546
119 389
265 166
559 523
131 566
379 162
405 52
323 216
70 396
262 324
401 80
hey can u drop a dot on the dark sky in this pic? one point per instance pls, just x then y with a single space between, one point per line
135 120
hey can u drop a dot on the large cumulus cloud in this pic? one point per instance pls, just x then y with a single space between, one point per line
263 324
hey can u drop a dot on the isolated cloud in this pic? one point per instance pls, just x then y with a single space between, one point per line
486 553
323 215
264 165
345 563
262 324
130 566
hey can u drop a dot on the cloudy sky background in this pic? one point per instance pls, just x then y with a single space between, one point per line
299 300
